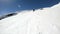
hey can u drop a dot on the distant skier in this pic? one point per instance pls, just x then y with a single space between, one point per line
33 10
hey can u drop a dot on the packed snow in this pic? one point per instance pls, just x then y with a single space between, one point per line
46 21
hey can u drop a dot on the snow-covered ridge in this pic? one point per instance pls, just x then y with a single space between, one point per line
46 21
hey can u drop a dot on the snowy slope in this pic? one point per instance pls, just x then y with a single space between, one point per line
46 21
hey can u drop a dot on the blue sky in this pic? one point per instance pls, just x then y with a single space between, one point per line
8 6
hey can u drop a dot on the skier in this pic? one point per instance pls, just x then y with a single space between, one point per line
33 10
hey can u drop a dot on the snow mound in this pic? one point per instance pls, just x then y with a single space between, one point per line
46 21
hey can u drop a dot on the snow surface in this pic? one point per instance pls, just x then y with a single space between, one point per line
46 21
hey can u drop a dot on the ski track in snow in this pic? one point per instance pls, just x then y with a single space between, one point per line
46 21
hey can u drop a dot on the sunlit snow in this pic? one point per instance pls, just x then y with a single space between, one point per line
46 21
